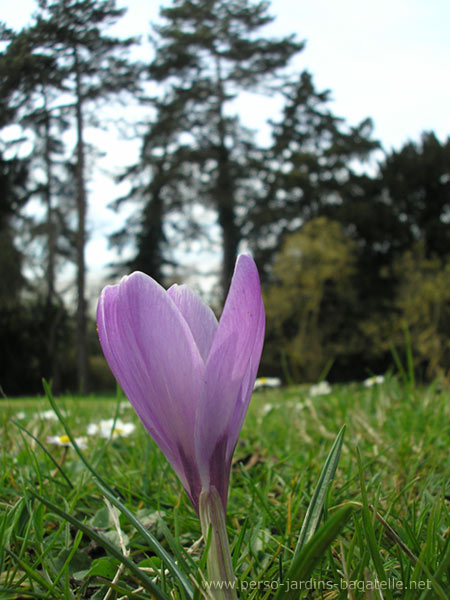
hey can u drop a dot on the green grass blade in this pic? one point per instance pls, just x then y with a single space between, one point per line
445 564
122 592
62 571
236 552
312 552
32 573
11 593
409 356
151 540
180 555
108 492
41 445
105 543
370 532
265 505
398 363
312 517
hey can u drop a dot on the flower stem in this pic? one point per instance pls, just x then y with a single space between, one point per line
222 582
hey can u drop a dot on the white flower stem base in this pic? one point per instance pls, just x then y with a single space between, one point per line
220 569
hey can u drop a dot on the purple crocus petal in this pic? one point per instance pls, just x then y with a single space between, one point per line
200 318
230 374
246 389
152 353
189 378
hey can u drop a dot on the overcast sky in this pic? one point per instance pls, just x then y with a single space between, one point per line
385 59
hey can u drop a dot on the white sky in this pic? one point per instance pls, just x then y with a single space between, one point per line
385 59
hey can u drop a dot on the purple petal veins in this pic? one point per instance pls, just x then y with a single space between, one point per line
200 318
188 377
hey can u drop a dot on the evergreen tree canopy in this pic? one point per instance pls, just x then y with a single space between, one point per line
310 166
13 178
91 67
416 185
73 33
206 53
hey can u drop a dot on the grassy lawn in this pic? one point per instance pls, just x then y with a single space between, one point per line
395 545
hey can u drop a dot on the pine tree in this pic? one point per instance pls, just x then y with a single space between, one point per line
207 52
13 179
73 34
157 182
31 85
309 166
415 184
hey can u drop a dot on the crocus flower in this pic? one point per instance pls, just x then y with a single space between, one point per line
188 377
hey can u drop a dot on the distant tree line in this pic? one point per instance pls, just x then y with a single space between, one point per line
354 259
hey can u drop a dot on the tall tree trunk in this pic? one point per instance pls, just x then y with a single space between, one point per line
225 193
81 343
149 255
48 197
231 235
52 306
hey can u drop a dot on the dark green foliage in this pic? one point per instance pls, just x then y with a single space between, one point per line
36 340
397 223
311 302
309 167
13 175
23 70
407 201
416 184
151 239
32 81
74 34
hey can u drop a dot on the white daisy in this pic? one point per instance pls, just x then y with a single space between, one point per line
47 415
106 427
320 389
63 440
374 380
266 409
269 382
